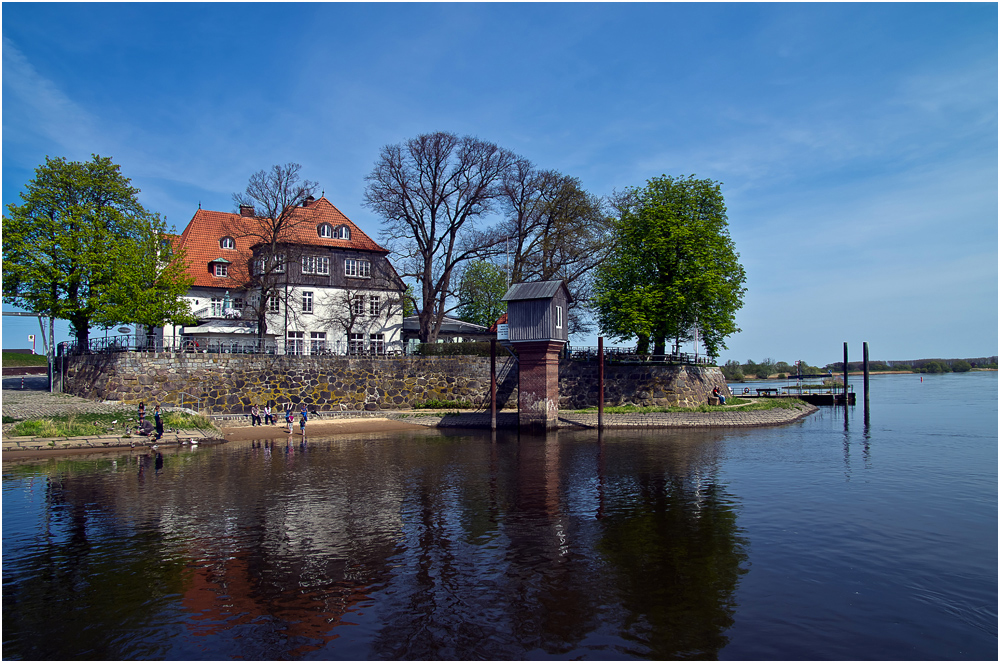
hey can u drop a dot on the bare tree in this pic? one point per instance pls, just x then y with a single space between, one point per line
430 191
269 211
554 230
355 311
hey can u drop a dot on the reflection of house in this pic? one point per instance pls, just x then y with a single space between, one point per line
453 330
331 287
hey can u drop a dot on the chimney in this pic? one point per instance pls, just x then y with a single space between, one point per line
246 210
308 201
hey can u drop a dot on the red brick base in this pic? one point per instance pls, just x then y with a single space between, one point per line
538 384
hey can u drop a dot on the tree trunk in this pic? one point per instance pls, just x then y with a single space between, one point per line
642 347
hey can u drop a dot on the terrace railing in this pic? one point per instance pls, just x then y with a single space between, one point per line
215 345
629 355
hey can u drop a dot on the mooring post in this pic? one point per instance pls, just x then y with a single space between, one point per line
845 374
493 384
864 359
600 383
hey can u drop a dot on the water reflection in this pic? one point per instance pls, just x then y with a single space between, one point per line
418 545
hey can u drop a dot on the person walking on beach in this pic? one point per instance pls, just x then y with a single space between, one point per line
254 416
289 419
302 421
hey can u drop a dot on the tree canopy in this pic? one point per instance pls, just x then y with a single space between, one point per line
557 230
674 270
446 200
81 248
430 192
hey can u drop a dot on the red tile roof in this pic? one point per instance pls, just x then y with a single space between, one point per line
201 239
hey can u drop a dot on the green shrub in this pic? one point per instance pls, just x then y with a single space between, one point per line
961 366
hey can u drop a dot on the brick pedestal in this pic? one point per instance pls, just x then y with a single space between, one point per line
538 384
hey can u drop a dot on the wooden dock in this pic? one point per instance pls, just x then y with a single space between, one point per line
811 396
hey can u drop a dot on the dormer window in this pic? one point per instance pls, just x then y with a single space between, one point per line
325 230
342 232
227 243
220 267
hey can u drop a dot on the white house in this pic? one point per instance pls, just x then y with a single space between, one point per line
330 288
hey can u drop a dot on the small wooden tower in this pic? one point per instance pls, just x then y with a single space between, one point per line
538 326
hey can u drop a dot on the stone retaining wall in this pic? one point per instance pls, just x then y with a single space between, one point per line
221 383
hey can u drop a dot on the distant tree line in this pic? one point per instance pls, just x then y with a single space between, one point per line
736 372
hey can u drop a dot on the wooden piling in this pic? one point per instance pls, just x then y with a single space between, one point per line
864 349
600 383
493 384
845 374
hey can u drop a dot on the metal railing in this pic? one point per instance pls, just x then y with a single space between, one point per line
628 355
214 345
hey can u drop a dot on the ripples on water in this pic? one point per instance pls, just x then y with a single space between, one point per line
823 539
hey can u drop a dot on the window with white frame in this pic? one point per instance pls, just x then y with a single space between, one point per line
317 343
316 265
376 344
295 343
558 317
307 302
343 232
325 230
279 263
274 304
227 243
221 269
356 344
373 305
216 306
358 305
357 268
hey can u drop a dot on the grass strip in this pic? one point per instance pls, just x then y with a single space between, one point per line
20 359
102 423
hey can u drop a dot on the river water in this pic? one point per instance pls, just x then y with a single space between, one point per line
829 538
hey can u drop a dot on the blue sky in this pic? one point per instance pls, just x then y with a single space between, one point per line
856 143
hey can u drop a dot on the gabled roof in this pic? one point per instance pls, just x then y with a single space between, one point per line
203 234
536 290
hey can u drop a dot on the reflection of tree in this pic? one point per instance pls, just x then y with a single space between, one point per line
82 588
451 546
677 554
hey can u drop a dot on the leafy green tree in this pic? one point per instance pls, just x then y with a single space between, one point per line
674 268
481 292
961 366
151 292
81 248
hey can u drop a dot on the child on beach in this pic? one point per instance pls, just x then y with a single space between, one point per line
288 417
